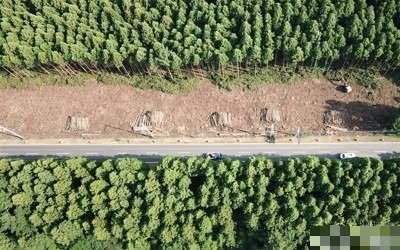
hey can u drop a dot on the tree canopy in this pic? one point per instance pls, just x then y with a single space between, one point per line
190 203
129 35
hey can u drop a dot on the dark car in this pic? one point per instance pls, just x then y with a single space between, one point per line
213 156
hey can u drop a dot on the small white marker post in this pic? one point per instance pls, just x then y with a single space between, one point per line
272 132
298 135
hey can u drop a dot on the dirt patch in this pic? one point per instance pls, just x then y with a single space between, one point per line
42 112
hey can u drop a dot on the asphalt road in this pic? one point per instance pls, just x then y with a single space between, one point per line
154 152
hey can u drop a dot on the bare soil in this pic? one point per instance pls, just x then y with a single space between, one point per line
41 112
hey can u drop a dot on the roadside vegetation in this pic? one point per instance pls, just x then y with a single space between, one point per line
190 203
171 45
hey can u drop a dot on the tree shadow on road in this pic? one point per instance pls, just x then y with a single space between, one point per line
153 160
157 158
388 155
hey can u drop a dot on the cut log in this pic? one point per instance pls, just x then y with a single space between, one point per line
9 132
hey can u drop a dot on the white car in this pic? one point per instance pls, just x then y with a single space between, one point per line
347 155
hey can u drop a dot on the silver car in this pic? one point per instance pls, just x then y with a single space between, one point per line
347 155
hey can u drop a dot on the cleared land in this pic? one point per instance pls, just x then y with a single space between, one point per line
42 112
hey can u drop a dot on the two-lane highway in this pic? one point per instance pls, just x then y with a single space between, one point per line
154 152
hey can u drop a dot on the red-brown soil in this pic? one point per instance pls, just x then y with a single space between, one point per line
42 112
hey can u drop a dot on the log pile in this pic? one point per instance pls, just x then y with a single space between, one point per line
149 118
270 115
223 119
155 117
333 117
77 123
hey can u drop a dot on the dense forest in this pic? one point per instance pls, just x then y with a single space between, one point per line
190 203
146 35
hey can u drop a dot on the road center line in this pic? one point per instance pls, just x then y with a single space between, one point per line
62 153
92 153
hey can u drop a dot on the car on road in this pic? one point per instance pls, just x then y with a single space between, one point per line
213 156
347 155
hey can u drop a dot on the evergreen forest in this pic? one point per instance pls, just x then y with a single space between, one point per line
177 36
190 203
